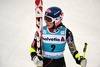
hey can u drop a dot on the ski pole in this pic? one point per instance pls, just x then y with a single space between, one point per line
84 50
84 62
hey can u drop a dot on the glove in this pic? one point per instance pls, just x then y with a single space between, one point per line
37 59
84 62
79 59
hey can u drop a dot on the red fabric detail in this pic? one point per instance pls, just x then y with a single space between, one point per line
51 30
37 34
33 43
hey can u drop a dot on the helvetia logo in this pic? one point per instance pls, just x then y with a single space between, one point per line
62 39
53 39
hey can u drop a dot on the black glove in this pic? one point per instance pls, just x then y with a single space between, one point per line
37 59
78 58
33 54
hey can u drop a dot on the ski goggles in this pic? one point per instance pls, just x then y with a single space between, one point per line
49 19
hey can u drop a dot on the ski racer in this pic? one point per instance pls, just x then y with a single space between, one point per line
54 38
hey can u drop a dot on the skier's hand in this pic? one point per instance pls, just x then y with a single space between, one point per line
78 58
84 62
37 59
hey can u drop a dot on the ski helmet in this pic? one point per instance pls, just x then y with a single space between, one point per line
53 14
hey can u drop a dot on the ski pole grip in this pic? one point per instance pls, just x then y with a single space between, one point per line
85 47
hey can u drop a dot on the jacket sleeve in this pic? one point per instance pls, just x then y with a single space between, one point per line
33 45
70 41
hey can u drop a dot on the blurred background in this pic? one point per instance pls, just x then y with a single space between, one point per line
17 28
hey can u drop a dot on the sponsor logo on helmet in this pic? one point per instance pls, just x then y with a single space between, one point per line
56 12
48 10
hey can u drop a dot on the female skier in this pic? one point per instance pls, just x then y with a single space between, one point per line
54 38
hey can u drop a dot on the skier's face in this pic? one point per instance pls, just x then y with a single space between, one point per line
49 21
49 24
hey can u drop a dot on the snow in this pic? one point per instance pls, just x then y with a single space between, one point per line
17 28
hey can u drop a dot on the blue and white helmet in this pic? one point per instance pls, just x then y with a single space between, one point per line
53 14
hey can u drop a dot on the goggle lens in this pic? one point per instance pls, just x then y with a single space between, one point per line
47 19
